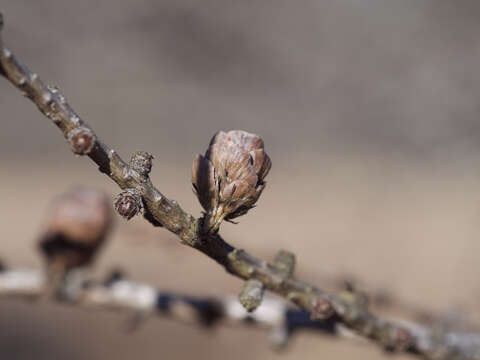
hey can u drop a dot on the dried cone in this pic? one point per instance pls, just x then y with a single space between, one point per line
230 177
76 226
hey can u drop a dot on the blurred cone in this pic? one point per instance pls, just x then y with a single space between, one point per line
76 226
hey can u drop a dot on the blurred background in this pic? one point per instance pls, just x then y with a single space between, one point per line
370 113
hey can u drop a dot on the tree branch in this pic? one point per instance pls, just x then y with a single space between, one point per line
142 301
350 310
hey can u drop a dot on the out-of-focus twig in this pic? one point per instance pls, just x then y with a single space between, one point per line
142 300
161 211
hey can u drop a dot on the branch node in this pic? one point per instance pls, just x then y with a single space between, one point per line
81 140
141 162
251 295
129 203
322 308
285 262
302 300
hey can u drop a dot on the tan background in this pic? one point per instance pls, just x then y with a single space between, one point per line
369 110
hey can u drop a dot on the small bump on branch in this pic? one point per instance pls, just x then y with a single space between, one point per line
251 295
285 262
141 162
321 309
81 140
128 203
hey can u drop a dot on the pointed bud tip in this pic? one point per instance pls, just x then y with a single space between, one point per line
229 179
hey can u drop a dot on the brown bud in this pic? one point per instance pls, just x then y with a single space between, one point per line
128 203
229 179
76 226
321 309
81 140
141 162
